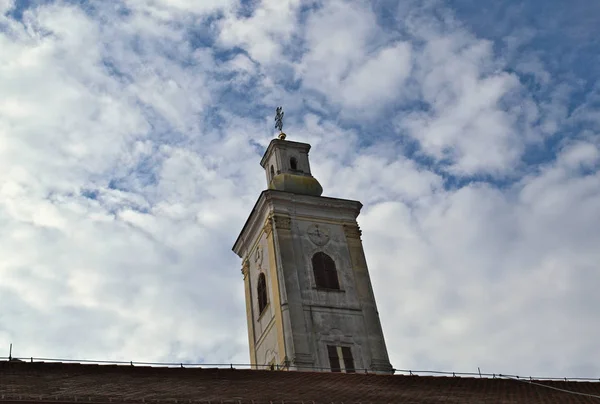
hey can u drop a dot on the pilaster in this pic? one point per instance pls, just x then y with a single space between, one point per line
249 311
275 287
379 355
296 333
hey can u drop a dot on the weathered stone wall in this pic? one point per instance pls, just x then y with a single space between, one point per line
302 320
261 326
319 317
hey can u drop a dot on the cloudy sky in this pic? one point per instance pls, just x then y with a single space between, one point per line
130 138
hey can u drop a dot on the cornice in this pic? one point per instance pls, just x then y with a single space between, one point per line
321 202
278 203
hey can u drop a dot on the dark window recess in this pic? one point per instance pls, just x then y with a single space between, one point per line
293 163
348 361
272 173
325 272
334 361
262 293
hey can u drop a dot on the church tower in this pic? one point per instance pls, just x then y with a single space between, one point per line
309 300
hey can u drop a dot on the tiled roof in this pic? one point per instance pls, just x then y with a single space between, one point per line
68 383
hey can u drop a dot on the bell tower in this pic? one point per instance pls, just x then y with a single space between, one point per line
309 300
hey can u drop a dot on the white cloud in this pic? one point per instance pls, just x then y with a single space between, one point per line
265 32
488 278
467 123
102 266
169 10
346 60
379 79
128 166
338 35
580 154
6 5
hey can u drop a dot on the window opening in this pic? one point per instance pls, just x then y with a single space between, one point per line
325 271
262 293
272 172
293 163
348 360
334 360
340 359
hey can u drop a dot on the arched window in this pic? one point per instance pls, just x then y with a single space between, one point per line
272 172
325 272
293 163
262 293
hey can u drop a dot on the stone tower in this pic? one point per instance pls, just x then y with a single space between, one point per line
309 300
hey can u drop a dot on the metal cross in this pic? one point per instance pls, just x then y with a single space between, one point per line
279 118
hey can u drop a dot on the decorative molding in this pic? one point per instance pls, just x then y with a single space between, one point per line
381 365
282 222
302 202
337 337
265 332
258 255
308 207
245 268
268 227
352 231
303 359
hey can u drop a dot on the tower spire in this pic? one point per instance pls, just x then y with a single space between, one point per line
309 300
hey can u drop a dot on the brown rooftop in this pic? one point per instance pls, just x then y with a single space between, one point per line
39 382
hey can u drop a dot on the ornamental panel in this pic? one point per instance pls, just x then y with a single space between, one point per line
282 222
318 234
352 231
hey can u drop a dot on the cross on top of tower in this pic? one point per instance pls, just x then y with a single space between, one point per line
279 122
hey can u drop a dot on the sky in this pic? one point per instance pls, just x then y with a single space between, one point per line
131 133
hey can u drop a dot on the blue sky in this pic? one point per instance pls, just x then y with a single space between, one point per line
130 139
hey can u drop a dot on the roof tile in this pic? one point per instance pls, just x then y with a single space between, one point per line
68 383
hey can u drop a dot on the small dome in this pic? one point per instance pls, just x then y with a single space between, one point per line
296 184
